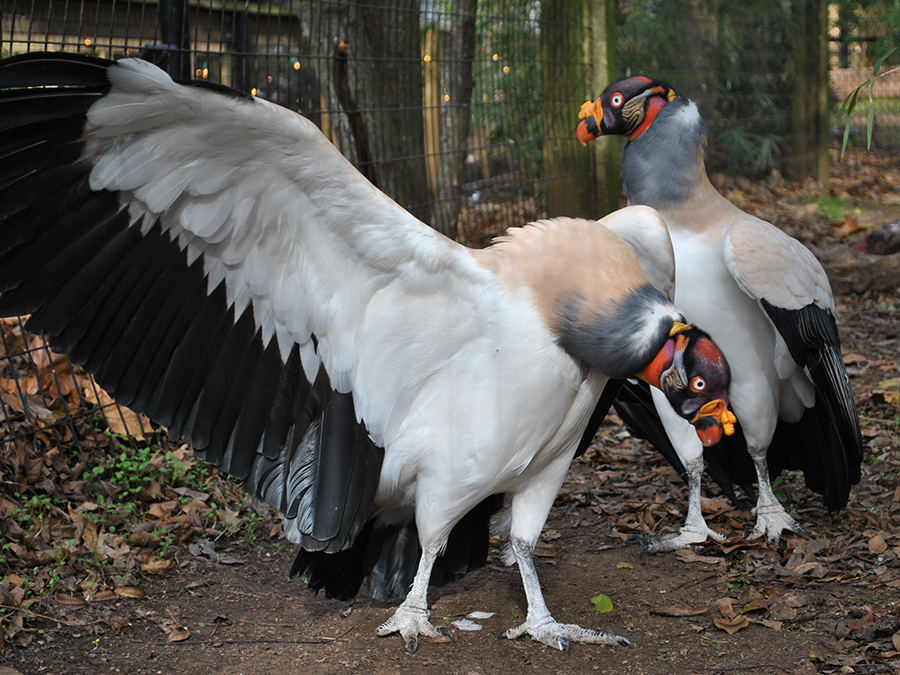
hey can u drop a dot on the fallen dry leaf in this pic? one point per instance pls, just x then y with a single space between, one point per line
103 595
866 620
816 570
178 635
86 530
70 601
545 550
163 510
624 566
157 566
725 607
877 544
686 555
732 626
131 592
121 420
679 611
768 623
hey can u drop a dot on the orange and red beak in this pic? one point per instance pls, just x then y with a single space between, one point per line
712 421
589 129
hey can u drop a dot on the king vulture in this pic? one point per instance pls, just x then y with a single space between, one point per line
767 303
219 266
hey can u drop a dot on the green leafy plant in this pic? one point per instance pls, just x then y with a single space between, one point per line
849 105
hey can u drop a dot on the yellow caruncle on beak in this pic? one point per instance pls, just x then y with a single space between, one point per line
719 412
587 110
677 328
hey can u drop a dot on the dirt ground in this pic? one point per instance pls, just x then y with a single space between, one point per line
827 605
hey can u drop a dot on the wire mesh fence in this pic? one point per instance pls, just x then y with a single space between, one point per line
743 63
462 111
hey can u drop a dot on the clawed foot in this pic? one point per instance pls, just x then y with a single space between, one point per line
684 538
772 520
559 635
411 622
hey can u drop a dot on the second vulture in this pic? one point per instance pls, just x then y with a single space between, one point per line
765 300
219 266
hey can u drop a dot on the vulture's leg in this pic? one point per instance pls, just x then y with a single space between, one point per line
695 529
539 624
411 617
690 451
771 518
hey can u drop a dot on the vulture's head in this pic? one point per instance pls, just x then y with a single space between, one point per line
625 108
693 374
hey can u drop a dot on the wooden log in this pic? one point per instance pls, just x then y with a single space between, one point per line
853 272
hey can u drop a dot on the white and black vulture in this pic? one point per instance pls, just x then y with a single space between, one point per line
767 303
219 266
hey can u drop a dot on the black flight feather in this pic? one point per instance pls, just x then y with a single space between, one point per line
812 338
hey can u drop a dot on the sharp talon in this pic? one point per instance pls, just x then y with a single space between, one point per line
563 644
634 536
446 632
624 641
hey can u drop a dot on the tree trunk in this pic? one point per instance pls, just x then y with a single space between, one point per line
567 166
701 55
603 72
809 113
175 35
368 63
455 114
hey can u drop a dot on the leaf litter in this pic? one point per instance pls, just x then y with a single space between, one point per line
83 547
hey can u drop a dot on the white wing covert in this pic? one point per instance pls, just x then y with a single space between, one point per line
770 266
268 203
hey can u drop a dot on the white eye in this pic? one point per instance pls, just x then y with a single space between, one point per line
698 384
616 100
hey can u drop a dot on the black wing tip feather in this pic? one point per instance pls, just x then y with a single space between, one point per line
36 70
53 69
387 558
812 337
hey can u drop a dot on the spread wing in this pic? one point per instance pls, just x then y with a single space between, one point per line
793 290
221 267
